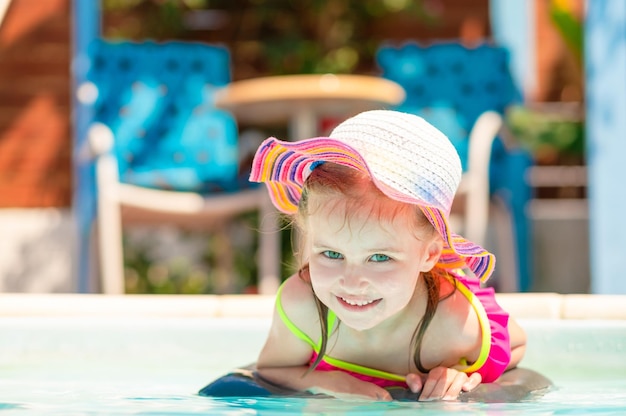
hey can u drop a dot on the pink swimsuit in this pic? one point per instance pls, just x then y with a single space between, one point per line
495 353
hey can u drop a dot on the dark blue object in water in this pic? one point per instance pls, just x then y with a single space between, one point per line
513 386
234 385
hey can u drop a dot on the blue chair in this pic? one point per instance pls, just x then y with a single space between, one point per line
465 92
164 153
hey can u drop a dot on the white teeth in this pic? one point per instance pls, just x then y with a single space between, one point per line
357 303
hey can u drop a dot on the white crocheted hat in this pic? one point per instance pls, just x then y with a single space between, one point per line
407 158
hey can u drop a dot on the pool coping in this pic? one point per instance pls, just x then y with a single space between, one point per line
519 305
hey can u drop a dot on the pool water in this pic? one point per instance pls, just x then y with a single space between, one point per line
97 366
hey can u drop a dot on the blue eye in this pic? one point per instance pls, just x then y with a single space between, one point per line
332 255
380 258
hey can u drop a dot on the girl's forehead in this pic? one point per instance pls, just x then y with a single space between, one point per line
384 213
335 228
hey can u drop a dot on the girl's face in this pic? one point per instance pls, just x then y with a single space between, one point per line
364 269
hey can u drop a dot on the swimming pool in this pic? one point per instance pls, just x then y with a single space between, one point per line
95 355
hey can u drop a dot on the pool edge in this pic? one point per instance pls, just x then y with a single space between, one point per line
519 305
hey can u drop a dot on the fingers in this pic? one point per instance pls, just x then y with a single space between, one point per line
414 381
446 384
441 384
384 395
472 382
455 388
376 393
373 392
435 384
369 392
344 386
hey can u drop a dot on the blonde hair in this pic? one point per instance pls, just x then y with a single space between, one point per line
356 192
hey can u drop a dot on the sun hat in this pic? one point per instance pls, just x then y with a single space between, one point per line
408 159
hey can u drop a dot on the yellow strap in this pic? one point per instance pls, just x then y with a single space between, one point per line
355 368
483 320
294 329
366 371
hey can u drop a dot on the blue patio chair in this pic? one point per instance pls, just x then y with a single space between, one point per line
164 153
465 92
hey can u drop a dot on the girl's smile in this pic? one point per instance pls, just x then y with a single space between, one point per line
354 305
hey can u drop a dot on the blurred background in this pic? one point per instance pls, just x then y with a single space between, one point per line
38 245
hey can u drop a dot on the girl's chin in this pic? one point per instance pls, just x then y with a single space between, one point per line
360 325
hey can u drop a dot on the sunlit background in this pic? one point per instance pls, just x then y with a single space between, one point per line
39 249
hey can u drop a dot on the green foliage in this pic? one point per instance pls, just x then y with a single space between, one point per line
275 36
141 18
549 137
169 260
569 26
172 261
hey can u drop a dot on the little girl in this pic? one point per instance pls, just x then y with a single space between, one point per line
387 295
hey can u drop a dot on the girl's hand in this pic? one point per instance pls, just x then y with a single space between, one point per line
442 383
344 386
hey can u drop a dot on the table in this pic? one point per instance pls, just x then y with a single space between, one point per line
301 101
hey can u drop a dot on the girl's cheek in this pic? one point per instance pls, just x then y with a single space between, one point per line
320 271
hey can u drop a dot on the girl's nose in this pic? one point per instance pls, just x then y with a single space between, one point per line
353 278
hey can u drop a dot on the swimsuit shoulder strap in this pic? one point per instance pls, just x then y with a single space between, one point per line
483 321
331 320
289 324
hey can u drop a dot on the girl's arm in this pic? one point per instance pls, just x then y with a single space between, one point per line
518 343
333 383
282 348
284 359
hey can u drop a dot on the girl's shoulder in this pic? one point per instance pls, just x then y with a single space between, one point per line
456 317
453 306
295 291
297 301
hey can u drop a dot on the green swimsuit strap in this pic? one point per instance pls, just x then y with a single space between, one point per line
290 325
330 322
355 368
